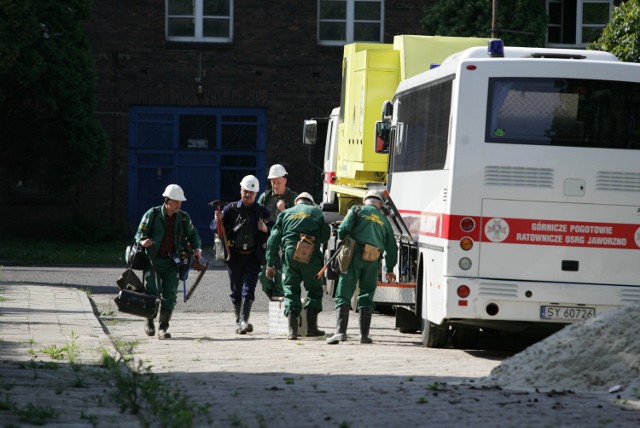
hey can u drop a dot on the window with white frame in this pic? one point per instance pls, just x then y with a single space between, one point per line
347 21
574 23
199 20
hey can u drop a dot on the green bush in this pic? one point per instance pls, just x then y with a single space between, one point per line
621 36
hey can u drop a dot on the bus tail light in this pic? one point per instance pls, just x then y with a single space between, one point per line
467 224
464 263
466 243
463 291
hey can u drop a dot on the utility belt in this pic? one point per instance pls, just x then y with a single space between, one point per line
241 250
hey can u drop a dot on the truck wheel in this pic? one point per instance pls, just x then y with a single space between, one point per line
434 335
465 337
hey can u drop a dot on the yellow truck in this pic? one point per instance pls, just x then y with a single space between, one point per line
371 73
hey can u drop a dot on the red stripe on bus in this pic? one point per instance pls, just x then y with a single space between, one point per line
526 231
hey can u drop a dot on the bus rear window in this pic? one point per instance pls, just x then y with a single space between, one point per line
564 112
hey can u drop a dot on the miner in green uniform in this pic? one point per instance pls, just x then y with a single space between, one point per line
298 231
276 200
374 236
164 232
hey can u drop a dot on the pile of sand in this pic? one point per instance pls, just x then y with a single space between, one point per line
594 355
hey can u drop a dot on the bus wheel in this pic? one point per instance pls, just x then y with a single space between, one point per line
465 337
434 335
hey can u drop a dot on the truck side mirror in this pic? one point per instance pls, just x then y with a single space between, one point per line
383 132
310 132
387 111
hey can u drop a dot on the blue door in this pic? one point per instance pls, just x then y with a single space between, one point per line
206 151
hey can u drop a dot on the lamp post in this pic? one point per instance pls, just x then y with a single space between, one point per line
494 11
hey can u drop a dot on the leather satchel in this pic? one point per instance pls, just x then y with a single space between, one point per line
139 304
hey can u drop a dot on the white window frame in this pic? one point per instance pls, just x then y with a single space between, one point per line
198 17
578 29
349 22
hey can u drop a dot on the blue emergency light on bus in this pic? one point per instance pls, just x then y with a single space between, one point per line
496 49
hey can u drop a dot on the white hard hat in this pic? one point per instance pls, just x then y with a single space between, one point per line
375 194
276 171
174 192
250 183
305 195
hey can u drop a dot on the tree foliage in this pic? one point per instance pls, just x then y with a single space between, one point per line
621 36
49 136
518 22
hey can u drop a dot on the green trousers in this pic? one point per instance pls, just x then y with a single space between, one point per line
295 273
359 270
163 281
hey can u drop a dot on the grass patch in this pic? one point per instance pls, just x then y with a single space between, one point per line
36 414
137 384
31 252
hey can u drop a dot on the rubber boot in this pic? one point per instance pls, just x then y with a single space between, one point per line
312 323
244 327
293 326
236 310
365 325
150 328
165 317
342 320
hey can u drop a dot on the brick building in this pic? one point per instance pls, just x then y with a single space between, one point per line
163 102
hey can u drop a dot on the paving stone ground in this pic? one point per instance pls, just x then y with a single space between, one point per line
260 380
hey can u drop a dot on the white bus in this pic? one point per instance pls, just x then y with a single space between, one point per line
517 175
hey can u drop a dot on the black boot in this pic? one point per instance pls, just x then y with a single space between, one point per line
244 327
342 319
236 310
312 323
365 325
165 317
149 328
293 326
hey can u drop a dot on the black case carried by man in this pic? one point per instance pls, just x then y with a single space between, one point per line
139 304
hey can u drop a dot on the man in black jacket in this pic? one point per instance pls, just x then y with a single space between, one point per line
246 224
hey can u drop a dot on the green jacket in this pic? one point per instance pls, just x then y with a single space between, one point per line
153 225
290 224
270 201
370 226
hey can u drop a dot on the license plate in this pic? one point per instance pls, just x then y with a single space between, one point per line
566 313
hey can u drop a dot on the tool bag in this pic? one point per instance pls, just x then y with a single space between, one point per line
346 253
304 249
348 247
139 304
134 256
130 281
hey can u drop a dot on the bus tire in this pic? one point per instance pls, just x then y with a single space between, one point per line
434 335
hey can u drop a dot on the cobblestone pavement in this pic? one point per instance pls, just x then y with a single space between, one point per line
258 379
